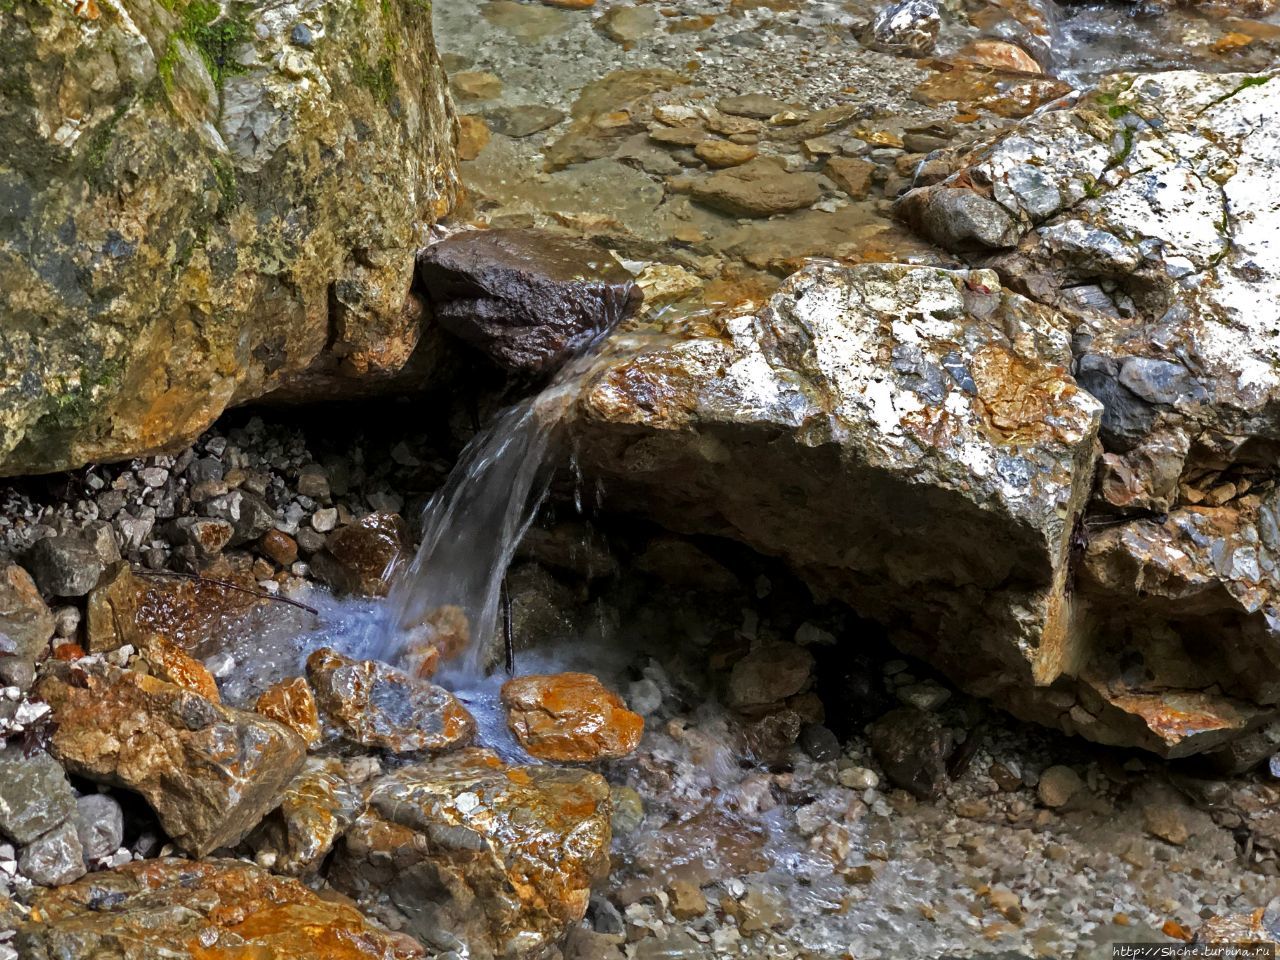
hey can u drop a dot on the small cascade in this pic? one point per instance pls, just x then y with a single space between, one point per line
445 604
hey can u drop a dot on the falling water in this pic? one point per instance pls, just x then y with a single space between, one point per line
448 599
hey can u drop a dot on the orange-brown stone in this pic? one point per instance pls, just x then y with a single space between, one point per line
570 717
503 857
1001 55
292 703
210 772
278 547
168 662
473 136
209 910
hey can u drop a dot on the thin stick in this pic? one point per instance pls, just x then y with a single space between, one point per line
262 594
508 629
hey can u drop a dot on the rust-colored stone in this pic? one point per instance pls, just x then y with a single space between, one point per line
375 705
278 547
169 662
502 858
292 703
570 717
209 772
362 557
442 635
211 910
473 136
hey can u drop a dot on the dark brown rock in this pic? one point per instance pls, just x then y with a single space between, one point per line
912 746
528 299
363 557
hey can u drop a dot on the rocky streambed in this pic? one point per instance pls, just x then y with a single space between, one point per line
906 585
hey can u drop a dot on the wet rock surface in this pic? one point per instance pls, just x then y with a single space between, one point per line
376 705
527 300
187 909
209 772
122 340
317 807
945 404
363 557
471 854
1138 211
570 718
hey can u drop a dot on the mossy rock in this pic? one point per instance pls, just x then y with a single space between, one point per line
184 184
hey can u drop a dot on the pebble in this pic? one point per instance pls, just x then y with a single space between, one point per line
99 825
644 696
819 742
66 620
323 521
859 778
628 810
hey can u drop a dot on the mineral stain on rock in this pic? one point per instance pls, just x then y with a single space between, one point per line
209 772
570 717
466 849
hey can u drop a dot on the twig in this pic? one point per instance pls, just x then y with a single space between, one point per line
508 629
199 578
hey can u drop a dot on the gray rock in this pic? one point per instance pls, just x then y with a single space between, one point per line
819 742
907 26
17 673
99 825
26 624
526 298
53 859
35 796
959 219
65 566
249 514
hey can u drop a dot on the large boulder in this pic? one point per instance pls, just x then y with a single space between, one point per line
909 438
469 854
201 203
1146 211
